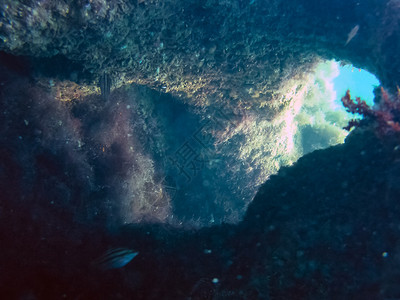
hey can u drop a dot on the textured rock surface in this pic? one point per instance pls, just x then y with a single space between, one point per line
210 51
325 228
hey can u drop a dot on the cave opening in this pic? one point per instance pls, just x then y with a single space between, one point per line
322 116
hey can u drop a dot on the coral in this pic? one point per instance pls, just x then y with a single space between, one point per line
384 116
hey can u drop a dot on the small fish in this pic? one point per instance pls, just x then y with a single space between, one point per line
352 34
105 85
115 258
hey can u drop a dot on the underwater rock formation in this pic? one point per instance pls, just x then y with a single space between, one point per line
325 228
210 51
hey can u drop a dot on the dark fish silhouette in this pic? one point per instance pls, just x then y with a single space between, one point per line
352 34
115 258
105 85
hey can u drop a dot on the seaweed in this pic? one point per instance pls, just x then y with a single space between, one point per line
384 116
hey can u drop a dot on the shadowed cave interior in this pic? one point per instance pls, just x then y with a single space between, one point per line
192 158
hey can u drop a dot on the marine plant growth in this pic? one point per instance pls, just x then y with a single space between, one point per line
384 116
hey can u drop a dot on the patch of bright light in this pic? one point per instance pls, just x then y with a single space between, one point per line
358 81
322 117
313 118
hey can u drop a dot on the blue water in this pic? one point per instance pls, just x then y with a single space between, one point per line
360 83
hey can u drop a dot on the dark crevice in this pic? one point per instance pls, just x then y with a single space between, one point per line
56 67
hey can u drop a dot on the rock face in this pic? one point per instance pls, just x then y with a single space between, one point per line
325 228
209 51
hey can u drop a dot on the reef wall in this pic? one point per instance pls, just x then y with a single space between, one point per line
211 52
325 228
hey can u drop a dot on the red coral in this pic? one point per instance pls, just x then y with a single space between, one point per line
385 116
